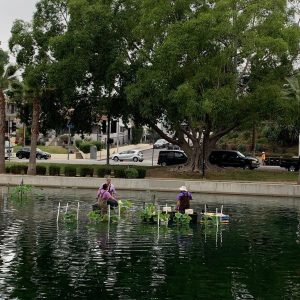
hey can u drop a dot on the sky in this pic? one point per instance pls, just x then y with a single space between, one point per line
10 11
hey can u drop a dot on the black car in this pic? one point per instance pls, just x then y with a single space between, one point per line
232 158
25 153
171 157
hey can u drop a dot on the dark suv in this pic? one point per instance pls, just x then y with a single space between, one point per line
171 157
232 158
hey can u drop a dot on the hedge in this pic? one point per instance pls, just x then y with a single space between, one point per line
86 171
141 172
119 172
41 170
18 169
85 147
54 170
70 171
101 172
131 173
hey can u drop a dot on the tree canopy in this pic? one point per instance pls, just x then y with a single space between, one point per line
200 68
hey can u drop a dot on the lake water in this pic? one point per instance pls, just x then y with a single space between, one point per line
256 256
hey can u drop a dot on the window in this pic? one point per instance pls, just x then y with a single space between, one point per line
178 155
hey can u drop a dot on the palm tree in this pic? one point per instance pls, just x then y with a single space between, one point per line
3 63
6 80
291 92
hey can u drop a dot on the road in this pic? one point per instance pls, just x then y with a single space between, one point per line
148 154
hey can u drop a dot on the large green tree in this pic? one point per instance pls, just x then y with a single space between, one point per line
205 68
30 44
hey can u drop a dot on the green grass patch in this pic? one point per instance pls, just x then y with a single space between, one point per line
50 149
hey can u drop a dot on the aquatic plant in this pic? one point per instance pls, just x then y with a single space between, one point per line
149 212
95 217
125 205
20 192
163 218
182 219
70 217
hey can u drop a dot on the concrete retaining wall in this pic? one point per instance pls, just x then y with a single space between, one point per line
205 187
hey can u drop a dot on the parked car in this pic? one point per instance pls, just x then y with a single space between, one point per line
134 155
232 158
171 157
292 164
25 153
161 143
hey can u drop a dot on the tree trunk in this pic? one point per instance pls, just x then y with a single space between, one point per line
2 132
36 109
253 142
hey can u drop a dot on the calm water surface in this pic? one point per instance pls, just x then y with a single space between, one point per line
256 256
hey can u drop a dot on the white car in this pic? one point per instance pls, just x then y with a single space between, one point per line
134 155
161 143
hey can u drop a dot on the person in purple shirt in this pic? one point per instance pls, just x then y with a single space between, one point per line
183 199
104 198
111 188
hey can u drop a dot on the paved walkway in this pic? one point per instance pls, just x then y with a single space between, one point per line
101 155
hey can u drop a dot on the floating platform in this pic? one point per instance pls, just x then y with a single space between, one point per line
214 217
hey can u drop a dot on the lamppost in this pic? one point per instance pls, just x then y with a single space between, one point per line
70 126
203 153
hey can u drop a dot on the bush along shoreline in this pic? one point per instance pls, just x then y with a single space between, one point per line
80 170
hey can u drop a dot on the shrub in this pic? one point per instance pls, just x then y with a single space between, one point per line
141 172
86 171
7 169
70 171
131 173
85 147
54 170
241 148
101 172
119 172
98 144
18 169
78 143
41 170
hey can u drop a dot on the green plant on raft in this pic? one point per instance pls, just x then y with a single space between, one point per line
148 212
20 192
70 217
182 219
163 218
95 217
125 205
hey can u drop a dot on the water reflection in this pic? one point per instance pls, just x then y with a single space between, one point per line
255 256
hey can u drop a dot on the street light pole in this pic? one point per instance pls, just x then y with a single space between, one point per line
203 153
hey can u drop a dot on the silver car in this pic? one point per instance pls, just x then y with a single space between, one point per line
134 155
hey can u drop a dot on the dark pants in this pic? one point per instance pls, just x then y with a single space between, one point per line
102 206
112 203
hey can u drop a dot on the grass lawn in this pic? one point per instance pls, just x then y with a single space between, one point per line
50 149
227 174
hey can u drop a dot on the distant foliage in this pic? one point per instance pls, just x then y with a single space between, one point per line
70 171
131 173
86 171
54 170
41 170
